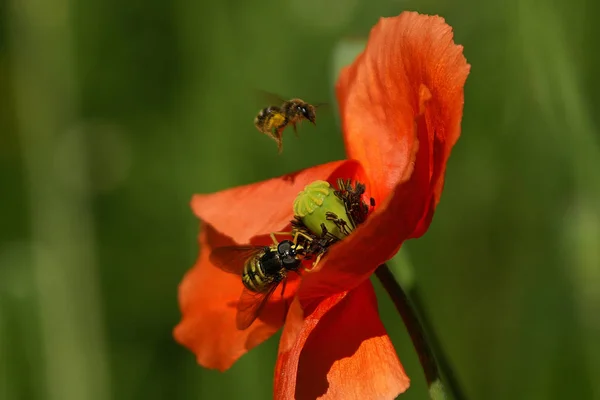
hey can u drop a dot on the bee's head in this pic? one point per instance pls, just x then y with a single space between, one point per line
307 111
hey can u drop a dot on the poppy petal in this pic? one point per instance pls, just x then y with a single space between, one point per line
352 261
260 208
443 112
208 298
408 59
340 351
437 71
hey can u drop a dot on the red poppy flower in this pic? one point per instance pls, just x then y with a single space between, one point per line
401 106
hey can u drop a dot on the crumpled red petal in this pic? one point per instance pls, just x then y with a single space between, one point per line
208 298
408 59
377 123
340 351
352 261
414 57
260 208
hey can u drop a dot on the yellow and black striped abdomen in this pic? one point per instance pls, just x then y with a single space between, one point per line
254 277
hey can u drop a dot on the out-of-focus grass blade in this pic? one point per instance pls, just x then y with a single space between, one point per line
582 239
65 275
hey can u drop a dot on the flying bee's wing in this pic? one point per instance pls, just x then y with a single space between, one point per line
274 99
232 258
269 98
322 105
250 306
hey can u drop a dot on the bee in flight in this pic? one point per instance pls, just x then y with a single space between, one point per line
262 269
273 120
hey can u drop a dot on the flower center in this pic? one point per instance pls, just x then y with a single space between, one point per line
324 215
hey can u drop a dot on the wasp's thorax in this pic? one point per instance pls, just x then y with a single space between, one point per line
287 253
279 258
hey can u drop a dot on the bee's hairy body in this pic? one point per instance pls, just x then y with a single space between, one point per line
270 120
262 270
273 120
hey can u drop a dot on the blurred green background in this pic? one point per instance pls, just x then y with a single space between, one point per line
112 114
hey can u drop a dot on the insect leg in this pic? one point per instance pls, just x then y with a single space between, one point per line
316 262
283 287
281 234
328 235
273 238
302 234
340 223
276 135
286 305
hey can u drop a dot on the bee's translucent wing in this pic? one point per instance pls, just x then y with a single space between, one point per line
232 258
250 306
269 98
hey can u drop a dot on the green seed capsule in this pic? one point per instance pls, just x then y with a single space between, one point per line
317 204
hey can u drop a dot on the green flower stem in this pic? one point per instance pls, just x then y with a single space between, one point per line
438 350
419 335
